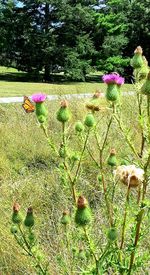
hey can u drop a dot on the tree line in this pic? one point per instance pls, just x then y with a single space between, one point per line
73 36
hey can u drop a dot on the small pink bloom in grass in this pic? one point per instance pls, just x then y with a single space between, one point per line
37 98
113 78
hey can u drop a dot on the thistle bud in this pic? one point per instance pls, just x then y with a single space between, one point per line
63 114
81 254
65 218
137 60
99 178
142 72
114 82
41 110
83 213
112 92
112 234
145 89
29 220
112 160
16 216
75 157
79 127
89 120
62 151
13 229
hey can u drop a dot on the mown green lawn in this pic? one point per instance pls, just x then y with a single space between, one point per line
11 88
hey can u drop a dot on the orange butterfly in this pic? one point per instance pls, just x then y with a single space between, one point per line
27 105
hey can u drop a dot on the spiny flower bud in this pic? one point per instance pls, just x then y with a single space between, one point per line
112 92
112 234
114 82
29 220
89 120
65 218
145 89
79 127
81 254
63 114
41 110
142 72
75 157
112 160
16 216
62 151
14 229
83 213
99 177
137 60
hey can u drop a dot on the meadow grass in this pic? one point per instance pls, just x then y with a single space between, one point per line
29 174
19 88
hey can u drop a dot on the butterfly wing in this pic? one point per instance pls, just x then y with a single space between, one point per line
27 105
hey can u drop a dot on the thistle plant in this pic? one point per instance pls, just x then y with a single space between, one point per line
107 240
23 232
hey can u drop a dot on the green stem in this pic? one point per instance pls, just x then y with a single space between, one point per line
50 142
92 251
91 155
29 252
140 215
148 115
79 163
109 212
125 218
137 235
126 137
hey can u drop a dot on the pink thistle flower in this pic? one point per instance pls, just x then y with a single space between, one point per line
37 98
113 78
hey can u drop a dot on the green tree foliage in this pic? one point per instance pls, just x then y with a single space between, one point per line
72 35
112 26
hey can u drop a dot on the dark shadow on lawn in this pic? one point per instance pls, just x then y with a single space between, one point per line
53 78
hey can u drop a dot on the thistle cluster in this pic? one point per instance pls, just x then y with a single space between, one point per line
71 167
23 231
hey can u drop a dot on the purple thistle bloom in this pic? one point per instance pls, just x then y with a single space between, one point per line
37 98
113 78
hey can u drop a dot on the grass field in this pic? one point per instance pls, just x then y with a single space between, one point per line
12 88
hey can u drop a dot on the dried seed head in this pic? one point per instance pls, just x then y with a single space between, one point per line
82 202
130 175
64 103
65 212
65 219
113 152
30 210
16 207
97 94
29 219
138 50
